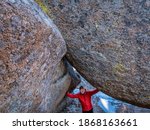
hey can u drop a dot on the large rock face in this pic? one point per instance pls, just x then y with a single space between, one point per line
33 77
108 42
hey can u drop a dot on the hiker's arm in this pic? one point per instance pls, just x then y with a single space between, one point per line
96 90
72 95
93 91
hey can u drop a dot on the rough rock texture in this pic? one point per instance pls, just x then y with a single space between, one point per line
108 42
75 81
33 77
76 78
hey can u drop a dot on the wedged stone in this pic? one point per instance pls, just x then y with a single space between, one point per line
108 43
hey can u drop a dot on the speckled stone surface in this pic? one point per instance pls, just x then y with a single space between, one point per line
108 43
33 77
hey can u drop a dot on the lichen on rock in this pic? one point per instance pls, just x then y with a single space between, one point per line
108 43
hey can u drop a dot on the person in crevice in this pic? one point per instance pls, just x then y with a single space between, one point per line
84 97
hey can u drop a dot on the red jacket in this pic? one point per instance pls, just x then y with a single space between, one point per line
85 99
